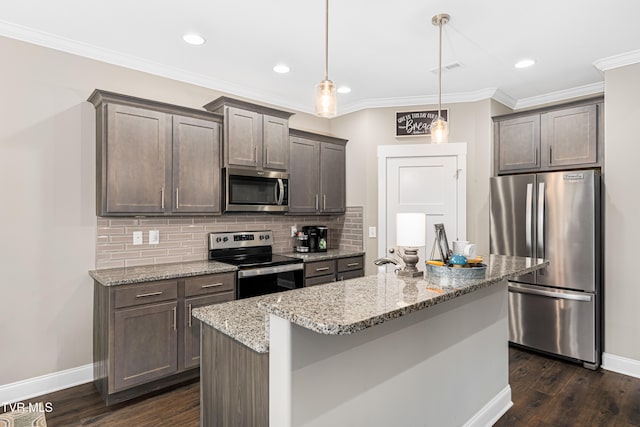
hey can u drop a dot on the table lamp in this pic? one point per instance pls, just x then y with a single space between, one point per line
410 235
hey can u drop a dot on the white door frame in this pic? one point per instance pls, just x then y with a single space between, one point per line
458 149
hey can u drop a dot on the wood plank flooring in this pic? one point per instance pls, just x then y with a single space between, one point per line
546 392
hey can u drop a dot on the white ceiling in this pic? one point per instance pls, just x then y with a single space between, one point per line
384 50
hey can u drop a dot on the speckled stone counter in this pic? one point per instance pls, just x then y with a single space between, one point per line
323 256
345 307
148 273
241 320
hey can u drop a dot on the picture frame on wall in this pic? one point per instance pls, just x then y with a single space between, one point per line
417 123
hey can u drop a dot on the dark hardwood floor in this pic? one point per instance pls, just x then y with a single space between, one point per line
545 392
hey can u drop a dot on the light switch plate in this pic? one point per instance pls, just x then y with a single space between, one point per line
372 232
154 237
294 230
137 237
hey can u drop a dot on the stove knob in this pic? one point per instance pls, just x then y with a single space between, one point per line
266 237
225 239
261 237
218 239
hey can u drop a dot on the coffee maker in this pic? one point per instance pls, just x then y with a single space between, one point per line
317 237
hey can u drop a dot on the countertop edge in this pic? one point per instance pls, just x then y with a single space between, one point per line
99 275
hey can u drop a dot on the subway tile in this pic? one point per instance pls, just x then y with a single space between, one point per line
122 222
194 257
106 248
153 221
178 236
179 251
103 222
111 231
125 255
167 259
215 228
134 262
110 264
153 253
192 228
180 221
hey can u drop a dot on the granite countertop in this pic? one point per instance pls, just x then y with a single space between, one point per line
148 273
342 308
352 305
323 256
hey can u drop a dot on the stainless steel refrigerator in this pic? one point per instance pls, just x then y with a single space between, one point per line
555 216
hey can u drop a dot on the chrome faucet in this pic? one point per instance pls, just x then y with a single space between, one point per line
384 261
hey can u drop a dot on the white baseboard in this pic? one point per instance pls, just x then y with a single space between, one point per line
492 411
621 365
44 384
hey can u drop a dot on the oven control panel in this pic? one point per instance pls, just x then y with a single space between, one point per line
240 239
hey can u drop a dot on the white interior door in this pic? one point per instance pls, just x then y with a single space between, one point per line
429 180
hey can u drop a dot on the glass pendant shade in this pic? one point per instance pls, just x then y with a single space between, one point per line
326 105
439 130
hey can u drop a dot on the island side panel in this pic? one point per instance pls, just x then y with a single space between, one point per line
234 382
446 365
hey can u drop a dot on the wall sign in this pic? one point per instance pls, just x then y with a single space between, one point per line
417 123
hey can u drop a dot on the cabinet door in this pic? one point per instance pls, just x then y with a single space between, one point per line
304 186
243 137
332 178
569 136
191 342
196 165
275 140
518 142
145 344
137 160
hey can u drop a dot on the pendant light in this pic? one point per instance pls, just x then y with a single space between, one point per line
439 126
326 105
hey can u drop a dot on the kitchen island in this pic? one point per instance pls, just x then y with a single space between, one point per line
378 350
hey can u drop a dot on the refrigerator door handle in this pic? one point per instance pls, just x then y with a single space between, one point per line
559 295
528 218
541 230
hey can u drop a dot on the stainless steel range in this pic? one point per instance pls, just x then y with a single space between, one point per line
260 271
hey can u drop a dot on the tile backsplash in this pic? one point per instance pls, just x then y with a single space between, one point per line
185 238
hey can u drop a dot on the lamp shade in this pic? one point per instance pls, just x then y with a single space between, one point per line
410 229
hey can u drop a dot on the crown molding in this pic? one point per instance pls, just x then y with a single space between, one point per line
616 61
561 95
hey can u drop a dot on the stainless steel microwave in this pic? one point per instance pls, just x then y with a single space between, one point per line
256 191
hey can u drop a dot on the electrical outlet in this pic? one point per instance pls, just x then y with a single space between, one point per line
294 230
372 232
137 237
154 237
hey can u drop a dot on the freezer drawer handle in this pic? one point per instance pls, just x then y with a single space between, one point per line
550 294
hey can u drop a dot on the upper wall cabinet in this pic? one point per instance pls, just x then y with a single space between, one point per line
558 138
255 137
154 158
317 184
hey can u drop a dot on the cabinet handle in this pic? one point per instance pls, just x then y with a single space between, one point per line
316 202
255 154
322 269
212 285
190 306
353 264
324 202
150 294
162 196
535 157
550 155
266 155
177 198
174 319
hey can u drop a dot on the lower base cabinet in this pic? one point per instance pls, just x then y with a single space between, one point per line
327 271
144 336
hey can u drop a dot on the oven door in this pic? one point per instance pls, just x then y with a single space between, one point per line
256 191
268 280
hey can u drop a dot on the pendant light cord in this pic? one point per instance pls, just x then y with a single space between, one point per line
326 41
439 69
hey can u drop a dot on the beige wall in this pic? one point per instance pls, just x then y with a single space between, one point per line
622 205
47 208
367 129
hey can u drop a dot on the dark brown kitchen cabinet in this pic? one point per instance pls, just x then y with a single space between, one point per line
255 137
145 338
196 165
318 178
561 137
154 158
327 271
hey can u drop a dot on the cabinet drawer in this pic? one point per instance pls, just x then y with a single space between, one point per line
145 293
320 280
352 263
209 284
319 268
351 274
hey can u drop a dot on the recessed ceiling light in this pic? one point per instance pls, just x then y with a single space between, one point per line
525 63
194 39
344 89
281 69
